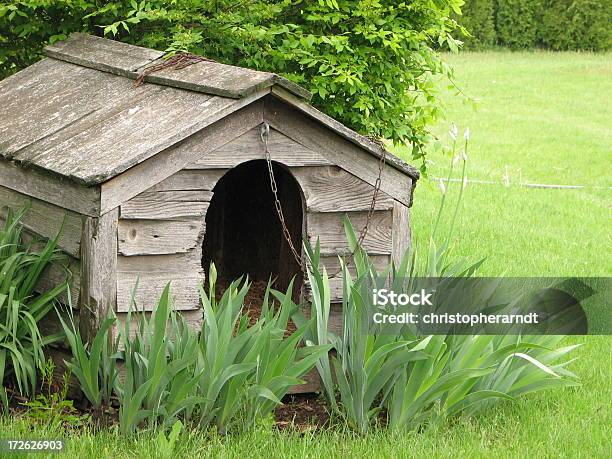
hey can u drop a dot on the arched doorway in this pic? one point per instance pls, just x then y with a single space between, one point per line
243 232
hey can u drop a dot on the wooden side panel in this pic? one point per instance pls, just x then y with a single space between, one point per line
336 149
45 220
145 277
164 164
156 237
401 231
69 270
98 271
160 240
51 189
144 209
332 189
148 287
329 229
190 180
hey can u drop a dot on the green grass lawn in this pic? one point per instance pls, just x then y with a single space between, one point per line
542 118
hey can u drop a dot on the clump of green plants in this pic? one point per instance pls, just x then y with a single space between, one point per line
229 375
50 407
21 307
407 380
94 365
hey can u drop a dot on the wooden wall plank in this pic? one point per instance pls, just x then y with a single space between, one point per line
329 228
148 287
332 189
184 195
312 383
401 231
190 180
50 188
166 163
98 271
45 220
190 261
336 149
155 237
145 209
249 146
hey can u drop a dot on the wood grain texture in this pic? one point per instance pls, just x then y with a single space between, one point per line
329 229
338 150
128 60
155 237
90 126
147 288
214 78
134 134
45 220
176 196
332 189
401 231
145 209
43 99
52 189
190 180
173 263
98 271
102 54
151 172
249 146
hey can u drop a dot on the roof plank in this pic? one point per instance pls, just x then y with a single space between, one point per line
214 78
128 60
102 54
136 133
45 98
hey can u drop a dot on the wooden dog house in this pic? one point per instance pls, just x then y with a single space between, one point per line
154 181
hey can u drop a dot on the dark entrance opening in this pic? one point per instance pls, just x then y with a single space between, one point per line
243 232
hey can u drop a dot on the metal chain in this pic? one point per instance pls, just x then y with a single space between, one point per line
265 133
176 62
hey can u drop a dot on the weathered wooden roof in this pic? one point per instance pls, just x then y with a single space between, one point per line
78 114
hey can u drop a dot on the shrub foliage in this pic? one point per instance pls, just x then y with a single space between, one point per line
479 20
552 24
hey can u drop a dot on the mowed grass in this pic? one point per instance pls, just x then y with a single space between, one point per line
549 115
